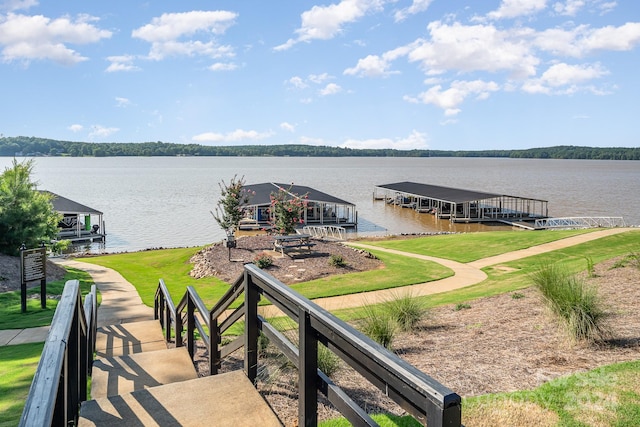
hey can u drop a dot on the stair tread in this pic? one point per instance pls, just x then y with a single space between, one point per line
129 338
123 374
220 400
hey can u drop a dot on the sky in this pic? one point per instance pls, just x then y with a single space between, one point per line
402 74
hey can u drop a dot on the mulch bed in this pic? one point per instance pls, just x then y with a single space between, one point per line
296 266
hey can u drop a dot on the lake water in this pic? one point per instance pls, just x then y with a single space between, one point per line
151 202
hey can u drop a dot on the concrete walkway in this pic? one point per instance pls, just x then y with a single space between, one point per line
121 302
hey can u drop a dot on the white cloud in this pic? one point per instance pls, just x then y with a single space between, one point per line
371 66
473 48
415 141
235 136
516 8
330 89
287 126
297 82
12 5
223 66
325 22
98 131
449 99
121 63
75 128
37 37
582 40
122 102
319 78
166 34
416 7
564 78
569 7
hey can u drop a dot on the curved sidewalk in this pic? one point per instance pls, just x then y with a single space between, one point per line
120 303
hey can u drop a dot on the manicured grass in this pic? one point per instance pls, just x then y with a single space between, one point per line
11 316
399 271
18 365
474 246
606 396
144 269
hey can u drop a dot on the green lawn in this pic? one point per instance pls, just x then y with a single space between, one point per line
11 316
144 269
18 365
473 246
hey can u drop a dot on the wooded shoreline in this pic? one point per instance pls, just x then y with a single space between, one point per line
23 146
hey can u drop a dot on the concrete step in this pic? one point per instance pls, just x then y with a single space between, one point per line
129 338
219 400
118 375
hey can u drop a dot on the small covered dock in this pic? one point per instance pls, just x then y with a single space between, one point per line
321 208
79 223
459 205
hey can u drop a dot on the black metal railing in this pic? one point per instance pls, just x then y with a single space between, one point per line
60 381
424 398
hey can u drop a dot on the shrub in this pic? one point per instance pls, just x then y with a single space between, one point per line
379 326
263 261
337 261
573 301
462 306
406 310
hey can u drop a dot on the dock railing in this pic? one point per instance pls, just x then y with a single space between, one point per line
60 381
326 231
430 402
581 222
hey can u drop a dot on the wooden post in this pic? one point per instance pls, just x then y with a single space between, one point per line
307 372
251 298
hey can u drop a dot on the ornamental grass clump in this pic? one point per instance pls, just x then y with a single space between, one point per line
379 325
573 301
406 310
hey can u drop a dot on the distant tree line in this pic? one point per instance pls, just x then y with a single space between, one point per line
32 146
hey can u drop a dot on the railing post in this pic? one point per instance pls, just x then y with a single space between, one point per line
167 321
251 298
214 343
307 372
191 326
179 329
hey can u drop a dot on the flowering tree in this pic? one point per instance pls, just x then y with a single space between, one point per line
287 210
229 210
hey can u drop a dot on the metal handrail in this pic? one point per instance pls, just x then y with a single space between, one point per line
60 381
426 399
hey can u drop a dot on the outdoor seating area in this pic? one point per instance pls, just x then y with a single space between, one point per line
291 242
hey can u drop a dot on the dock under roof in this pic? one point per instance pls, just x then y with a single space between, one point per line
460 205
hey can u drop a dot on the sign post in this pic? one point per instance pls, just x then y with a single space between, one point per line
33 266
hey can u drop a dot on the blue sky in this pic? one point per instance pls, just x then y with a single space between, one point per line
404 74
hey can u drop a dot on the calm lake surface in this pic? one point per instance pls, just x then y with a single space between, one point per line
151 202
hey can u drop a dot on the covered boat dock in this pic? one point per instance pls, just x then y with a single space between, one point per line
459 205
79 223
321 208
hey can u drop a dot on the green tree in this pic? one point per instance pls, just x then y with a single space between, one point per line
287 209
228 212
26 214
